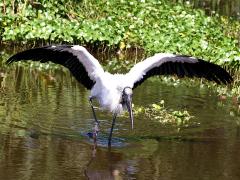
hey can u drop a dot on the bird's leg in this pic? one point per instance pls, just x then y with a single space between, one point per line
111 131
96 126
94 114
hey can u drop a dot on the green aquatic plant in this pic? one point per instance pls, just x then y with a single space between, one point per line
158 113
155 26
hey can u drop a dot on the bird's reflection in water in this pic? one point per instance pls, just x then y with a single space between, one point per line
108 164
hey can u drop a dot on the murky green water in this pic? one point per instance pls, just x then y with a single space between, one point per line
45 115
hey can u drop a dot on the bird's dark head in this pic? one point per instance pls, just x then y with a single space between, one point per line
127 101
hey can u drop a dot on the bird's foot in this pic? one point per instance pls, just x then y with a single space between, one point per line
96 129
95 133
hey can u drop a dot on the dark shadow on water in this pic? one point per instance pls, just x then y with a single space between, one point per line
102 140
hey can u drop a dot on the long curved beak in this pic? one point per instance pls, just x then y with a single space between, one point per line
129 108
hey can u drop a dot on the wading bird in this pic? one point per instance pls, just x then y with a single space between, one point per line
114 91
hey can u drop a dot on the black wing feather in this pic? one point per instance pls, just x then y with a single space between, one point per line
190 67
62 55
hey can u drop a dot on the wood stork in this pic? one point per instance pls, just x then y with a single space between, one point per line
114 91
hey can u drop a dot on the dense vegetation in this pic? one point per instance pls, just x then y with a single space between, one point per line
155 26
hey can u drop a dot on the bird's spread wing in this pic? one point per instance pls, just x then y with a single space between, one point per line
84 67
169 64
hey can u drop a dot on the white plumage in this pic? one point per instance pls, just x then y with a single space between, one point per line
93 68
114 91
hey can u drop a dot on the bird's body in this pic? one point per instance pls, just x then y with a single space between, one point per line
108 91
108 87
114 91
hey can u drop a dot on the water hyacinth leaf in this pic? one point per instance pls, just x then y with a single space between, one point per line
155 26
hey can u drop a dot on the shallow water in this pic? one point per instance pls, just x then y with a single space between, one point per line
45 116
